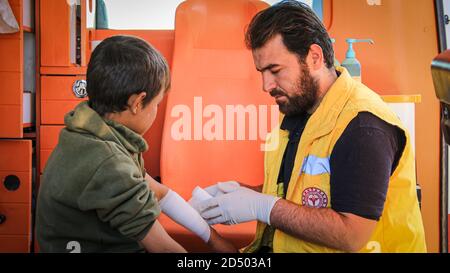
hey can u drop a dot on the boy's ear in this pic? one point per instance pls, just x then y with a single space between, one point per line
136 101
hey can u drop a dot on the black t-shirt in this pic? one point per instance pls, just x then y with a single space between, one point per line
295 125
361 163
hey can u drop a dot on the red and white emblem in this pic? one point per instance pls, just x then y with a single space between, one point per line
314 198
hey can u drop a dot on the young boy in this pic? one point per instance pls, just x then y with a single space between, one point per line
95 195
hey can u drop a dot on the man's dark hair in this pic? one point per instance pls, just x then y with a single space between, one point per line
121 66
297 24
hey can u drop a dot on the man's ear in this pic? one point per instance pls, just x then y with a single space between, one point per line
315 56
136 102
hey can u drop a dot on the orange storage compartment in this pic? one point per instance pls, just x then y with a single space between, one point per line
15 155
15 195
15 219
15 186
64 30
60 95
14 244
48 140
15 171
11 86
17 74
11 121
57 33
10 52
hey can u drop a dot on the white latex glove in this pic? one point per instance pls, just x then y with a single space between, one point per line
238 206
199 195
222 188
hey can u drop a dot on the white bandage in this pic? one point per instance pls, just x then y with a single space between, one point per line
174 206
198 195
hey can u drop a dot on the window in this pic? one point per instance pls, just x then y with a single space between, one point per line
141 14
151 14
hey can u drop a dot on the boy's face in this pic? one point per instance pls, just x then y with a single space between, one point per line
147 114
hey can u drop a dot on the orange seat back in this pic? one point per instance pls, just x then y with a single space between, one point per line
217 116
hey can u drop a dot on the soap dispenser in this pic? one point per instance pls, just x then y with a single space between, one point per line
352 65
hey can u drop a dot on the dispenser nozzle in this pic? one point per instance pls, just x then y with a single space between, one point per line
350 52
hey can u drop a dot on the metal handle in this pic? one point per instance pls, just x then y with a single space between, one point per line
446 19
79 88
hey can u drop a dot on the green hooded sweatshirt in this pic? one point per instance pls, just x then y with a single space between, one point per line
93 196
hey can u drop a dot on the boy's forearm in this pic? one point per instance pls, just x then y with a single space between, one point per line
158 241
219 244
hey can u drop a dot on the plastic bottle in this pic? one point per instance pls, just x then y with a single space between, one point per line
352 64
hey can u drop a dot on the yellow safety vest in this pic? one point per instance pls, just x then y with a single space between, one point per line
400 228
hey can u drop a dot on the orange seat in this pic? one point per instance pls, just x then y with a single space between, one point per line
204 141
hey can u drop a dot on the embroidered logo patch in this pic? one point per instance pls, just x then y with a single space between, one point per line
314 198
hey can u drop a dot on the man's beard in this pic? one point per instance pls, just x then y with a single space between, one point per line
305 97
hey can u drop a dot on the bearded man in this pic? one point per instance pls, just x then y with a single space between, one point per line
342 178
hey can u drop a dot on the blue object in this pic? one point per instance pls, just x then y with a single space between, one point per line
317 6
101 15
352 65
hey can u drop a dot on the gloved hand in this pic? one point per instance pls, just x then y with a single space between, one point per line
238 206
199 194
222 188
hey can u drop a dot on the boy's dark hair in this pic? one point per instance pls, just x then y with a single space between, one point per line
121 66
297 24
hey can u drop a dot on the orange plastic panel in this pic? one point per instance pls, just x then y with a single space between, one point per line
15 155
63 71
10 53
162 40
11 121
15 160
16 219
57 98
212 69
48 140
11 85
52 112
14 244
55 33
20 195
